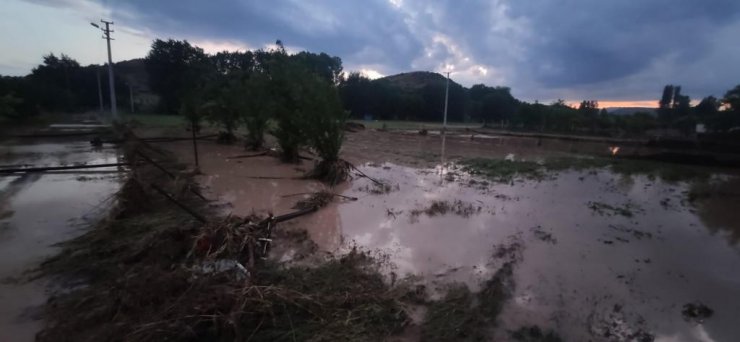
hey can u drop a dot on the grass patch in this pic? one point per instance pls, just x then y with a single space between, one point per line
501 170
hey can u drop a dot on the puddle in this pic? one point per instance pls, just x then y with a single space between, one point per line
587 274
37 211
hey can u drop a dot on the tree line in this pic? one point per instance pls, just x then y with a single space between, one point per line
231 83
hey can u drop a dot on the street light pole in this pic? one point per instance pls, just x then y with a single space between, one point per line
111 84
447 95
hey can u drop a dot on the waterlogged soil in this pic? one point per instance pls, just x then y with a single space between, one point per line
39 210
619 270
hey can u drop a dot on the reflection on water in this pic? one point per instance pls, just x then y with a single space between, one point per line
718 205
578 262
38 210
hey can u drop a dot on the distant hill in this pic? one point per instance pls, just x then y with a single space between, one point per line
630 110
416 80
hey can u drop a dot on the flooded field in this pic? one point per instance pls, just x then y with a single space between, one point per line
604 253
39 210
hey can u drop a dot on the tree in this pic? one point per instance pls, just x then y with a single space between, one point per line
355 92
732 99
9 104
327 67
491 104
708 107
174 68
665 105
258 106
228 62
589 111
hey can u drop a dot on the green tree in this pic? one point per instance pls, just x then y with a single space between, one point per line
258 106
175 68
327 67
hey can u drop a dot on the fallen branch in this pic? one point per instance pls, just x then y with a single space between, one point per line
311 193
182 206
57 168
270 177
242 156
352 166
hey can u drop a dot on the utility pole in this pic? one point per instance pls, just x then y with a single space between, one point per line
100 93
444 124
111 84
447 95
131 96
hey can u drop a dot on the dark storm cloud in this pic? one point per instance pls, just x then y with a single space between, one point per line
369 30
591 41
543 49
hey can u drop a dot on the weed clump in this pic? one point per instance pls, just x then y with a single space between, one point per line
626 210
501 170
438 207
464 316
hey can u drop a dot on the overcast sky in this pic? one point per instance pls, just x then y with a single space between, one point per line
608 50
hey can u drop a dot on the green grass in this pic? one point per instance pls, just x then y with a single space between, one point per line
399 124
156 120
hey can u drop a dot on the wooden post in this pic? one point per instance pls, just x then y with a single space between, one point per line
195 145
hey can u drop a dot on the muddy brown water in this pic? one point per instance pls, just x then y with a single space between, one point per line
586 274
38 211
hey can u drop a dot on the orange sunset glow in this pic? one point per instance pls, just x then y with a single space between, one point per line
609 104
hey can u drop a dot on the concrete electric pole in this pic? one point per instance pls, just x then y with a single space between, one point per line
111 84
100 93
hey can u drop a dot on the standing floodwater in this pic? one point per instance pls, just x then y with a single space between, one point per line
38 210
597 255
